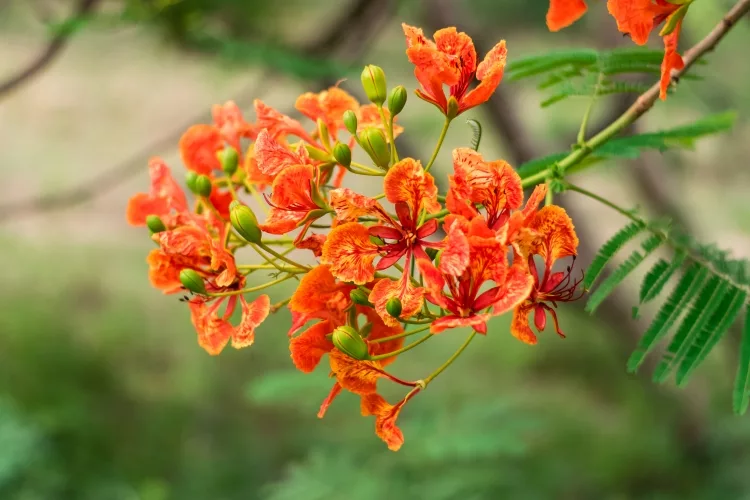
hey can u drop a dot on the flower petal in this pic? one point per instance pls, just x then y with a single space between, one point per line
253 314
232 125
350 253
278 124
386 415
328 106
519 325
516 288
335 391
349 206
271 157
476 321
672 60
199 146
165 199
213 331
555 236
318 291
407 182
490 73
637 17
563 13
359 377
411 298
309 347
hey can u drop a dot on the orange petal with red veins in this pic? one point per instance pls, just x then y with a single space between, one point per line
407 181
455 255
271 157
519 325
198 147
309 347
516 289
563 13
314 243
636 17
672 60
555 235
328 106
335 391
213 331
386 415
229 120
291 199
359 377
489 73
163 273
349 206
223 260
253 314
476 321
429 61
350 253
165 198
278 124
411 298
315 290
253 174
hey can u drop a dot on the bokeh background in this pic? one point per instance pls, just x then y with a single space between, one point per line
104 392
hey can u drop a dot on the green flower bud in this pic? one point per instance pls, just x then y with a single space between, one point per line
342 154
350 342
190 179
350 121
359 297
230 160
325 136
452 108
203 186
317 154
376 240
154 224
191 280
394 307
397 100
373 81
373 142
244 222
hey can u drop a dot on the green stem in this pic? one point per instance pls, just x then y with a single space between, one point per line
401 335
365 168
627 213
388 124
439 144
453 358
251 289
258 267
585 122
282 257
437 215
402 350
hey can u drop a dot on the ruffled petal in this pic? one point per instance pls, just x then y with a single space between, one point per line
476 321
359 377
277 123
554 235
309 347
516 288
350 253
198 148
386 415
349 206
232 125
490 73
563 13
672 60
519 325
271 157
213 331
637 18
407 182
328 106
165 199
411 298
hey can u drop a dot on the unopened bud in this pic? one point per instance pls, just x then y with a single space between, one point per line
350 121
342 154
397 100
190 179
540 318
452 108
394 307
155 224
191 280
350 342
373 142
325 136
359 297
373 81
203 186
244 222
229 159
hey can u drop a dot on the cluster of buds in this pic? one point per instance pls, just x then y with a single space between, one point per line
369 274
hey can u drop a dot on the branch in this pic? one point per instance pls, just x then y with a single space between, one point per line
646 100
53 49
110 178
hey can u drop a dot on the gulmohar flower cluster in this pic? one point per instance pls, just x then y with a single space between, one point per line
408 261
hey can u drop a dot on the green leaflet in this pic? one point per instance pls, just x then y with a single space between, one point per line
741 396
670 311
609 249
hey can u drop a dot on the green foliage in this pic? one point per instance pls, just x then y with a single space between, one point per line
741 397
706 300
587 72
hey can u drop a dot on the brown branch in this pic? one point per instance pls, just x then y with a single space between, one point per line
53 49
359 23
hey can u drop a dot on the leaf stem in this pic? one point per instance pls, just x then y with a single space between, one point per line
251 289
450 361
401 335
402 350
439 144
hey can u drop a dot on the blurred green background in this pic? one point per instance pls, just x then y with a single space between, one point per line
104 392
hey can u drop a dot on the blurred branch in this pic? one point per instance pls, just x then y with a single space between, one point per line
53 49
358 24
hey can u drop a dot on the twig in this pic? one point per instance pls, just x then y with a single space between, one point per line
53 49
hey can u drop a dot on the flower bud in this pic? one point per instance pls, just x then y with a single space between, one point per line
393 306
190 179
155 224
350 342
540 318
359 297
191 280
376 240
373 81
342 154
325 136
244 222
317 154
373 142
397 100
203 186
229 159
452 108
350 121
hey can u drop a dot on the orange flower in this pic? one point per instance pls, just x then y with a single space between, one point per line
292 201
328 106
385 417
191 247
494 185
552 237
452 60
487 262
272 157
231 124
166 199
563 13
638 18
277 123
214 330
